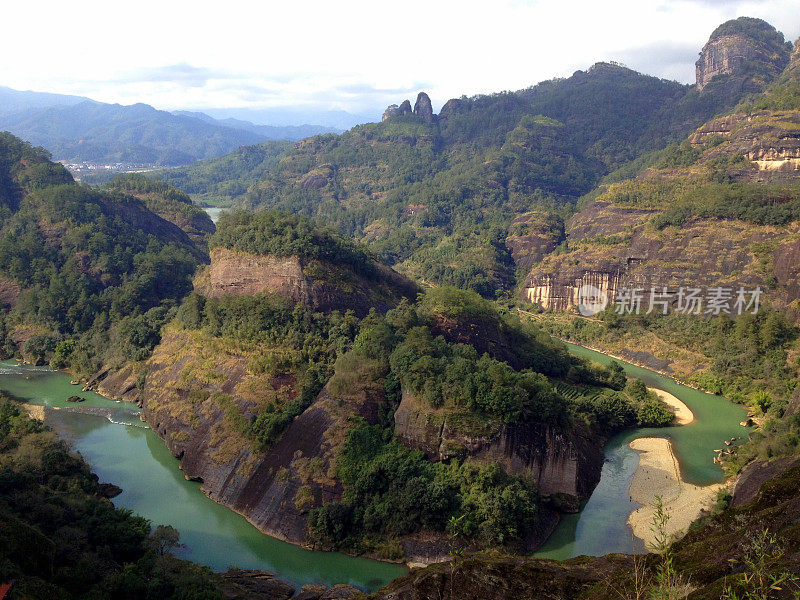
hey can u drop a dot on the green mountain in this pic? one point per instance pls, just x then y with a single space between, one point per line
85 274
435 195
79 130
219 181
336 402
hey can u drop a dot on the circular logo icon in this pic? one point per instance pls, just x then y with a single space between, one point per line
591 300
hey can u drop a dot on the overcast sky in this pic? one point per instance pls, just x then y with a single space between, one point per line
355 55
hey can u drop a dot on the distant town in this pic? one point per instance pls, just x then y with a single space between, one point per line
96 172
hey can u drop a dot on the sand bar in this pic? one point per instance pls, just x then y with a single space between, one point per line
683 414
658 474
35 411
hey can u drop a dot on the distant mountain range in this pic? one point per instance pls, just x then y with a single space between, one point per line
292 115
80 130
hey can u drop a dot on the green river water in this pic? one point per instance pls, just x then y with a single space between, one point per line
123 450
602 526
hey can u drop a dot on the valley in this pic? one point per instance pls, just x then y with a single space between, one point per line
543 343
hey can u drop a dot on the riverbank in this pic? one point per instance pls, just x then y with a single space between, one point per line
110 437
658 474
34 411
633 361
683 414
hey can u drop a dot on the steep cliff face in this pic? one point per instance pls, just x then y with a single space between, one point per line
561 462
397 111
189 398
750 52
533 235
769 139
423 108
321 284
618 247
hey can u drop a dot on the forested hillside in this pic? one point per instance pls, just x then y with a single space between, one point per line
62 538
86 276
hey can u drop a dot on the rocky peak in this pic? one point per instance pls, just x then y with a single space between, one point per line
397 111
423 108
750 51
454 106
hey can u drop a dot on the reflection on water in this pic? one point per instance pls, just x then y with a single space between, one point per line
123 450
602 526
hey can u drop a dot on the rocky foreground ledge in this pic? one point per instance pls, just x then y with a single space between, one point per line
240 584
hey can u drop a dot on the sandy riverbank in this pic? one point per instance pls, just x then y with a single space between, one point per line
34 411
683 414
659 475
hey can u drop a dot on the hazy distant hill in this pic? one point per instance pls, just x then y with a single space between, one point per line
77 129
270 132
15 101
291 115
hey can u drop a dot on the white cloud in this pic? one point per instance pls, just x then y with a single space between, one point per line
351 54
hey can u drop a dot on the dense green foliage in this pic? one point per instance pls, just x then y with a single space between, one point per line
755 29
94 268
61 539
24 167
681 199
281 234
755 203
391 490
436 199
167 202
748 353
454 375
136 182
219 181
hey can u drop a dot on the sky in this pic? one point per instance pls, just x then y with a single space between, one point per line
351 55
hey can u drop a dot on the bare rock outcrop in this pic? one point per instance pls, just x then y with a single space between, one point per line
423 108
321 284
273 488
769 139
397 111
615 247
561 462
240 584
749 51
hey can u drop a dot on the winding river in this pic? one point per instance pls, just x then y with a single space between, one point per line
123 450
602 526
